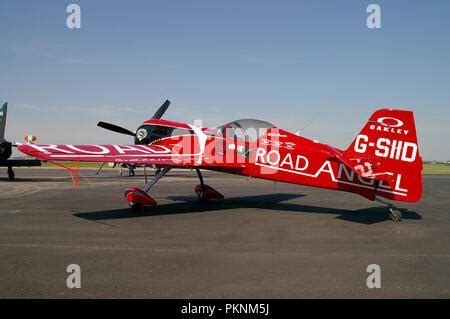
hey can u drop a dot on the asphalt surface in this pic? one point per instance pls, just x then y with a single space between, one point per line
264 240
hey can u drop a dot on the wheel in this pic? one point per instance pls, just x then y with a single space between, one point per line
11 174
201 196
131 172
135 206
157 171
395 214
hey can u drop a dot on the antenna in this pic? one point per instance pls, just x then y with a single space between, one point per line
307 124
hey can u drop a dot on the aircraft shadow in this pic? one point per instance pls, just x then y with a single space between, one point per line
37 179
190 204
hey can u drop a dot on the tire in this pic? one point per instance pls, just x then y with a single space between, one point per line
135 206
395 214
131 172
201 197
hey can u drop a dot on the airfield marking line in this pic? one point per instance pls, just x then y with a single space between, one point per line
203 250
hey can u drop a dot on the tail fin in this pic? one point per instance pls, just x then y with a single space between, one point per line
3 120
386 149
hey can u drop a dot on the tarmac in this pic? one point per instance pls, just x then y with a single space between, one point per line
264 240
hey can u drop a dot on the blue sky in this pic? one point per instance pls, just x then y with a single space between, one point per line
287 62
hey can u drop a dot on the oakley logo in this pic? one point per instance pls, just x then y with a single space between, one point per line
390 121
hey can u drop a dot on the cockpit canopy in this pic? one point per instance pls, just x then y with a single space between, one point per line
245 129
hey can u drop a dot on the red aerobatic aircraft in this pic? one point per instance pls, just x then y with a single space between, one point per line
382 161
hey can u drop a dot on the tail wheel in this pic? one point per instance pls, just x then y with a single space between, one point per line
395 214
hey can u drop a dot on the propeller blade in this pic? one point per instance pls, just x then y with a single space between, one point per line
162 109
115 128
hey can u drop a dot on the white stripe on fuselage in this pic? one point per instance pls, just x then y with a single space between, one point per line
333 178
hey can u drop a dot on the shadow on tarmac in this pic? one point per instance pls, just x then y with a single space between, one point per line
36 180
190 204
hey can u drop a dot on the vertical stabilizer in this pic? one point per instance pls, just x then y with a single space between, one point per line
3 120
389 142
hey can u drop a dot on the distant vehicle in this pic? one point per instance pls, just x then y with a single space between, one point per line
131 168
6 149
382 161
121 166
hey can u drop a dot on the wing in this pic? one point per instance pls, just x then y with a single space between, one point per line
135 154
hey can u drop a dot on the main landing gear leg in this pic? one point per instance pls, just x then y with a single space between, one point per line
137 197
11 174
394 213
205 192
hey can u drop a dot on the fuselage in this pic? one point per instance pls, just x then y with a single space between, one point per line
273 154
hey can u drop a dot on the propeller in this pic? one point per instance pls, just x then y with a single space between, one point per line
118 129
162 109
115 128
